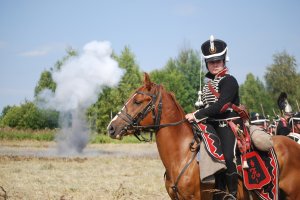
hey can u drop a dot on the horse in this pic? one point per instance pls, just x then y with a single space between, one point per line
152 108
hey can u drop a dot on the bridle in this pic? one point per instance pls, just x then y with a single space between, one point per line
133 122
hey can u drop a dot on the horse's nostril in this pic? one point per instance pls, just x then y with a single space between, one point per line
111 130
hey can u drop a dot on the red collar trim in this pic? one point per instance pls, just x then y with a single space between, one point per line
222 73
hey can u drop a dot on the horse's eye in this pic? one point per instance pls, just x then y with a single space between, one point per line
136 102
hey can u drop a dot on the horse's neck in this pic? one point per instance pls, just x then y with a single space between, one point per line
173 141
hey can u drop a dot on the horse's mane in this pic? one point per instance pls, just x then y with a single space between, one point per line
172 96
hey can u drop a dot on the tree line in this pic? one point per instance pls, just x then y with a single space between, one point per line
180 75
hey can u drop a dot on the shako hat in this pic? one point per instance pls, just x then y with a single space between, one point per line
257 119
214 49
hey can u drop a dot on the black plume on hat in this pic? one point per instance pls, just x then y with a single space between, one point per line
214 49
281 100
283 103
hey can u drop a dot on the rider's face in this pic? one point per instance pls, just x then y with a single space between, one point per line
214 67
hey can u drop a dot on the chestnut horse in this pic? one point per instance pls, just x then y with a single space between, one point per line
152 108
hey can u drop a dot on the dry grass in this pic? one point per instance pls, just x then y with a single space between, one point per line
110 176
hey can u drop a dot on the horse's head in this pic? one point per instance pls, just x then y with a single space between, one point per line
139 111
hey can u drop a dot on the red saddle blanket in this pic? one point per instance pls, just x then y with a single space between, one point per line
256 174
262 174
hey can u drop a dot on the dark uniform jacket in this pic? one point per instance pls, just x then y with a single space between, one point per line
219 107
283 127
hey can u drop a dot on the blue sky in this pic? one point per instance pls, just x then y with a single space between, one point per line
34 34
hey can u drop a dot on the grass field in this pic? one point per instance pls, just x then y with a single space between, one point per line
107 171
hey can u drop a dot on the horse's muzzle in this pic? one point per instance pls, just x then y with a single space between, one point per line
111 131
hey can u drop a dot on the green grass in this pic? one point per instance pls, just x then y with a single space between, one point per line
49 135
20 134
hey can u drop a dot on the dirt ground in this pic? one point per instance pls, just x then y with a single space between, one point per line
33 170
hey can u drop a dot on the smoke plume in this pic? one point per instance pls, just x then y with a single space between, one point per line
79 83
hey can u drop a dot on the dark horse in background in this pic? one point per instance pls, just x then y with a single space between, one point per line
152 107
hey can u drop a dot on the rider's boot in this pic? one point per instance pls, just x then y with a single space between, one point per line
220 186
232 185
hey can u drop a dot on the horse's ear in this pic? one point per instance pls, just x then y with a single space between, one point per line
147 81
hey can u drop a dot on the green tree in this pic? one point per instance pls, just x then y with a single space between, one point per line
254 95
132 77
189 63
29 116
4 111
70 53
12 117
182 77
173 80
45 82
282 76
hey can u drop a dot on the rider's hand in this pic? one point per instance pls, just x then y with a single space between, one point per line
190 117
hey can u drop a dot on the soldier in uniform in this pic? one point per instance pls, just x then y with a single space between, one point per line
260 121
295 123
273 126
283 127
221 91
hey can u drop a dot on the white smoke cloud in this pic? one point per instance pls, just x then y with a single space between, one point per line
80 80
79 83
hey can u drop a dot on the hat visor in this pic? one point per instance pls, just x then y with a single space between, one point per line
215 58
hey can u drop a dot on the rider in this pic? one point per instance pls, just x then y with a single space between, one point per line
283 127
272 127
295 123
221 91
260 121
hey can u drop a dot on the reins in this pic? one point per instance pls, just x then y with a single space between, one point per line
152 128
195 151
159 126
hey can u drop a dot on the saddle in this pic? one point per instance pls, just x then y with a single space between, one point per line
258 169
